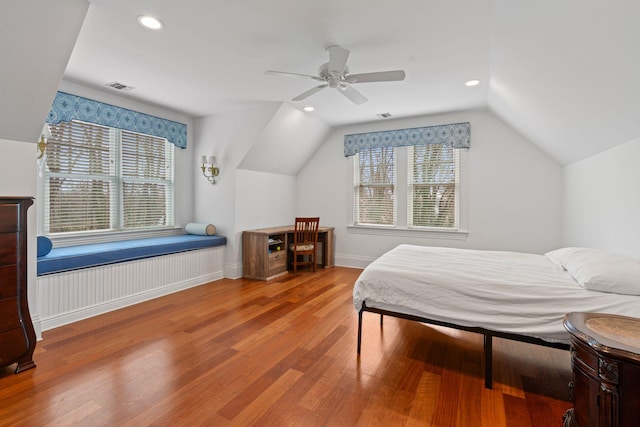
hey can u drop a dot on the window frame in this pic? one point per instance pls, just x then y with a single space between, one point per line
411 187
116 206
402 228
357 186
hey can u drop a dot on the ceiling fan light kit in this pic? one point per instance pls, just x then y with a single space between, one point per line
335 74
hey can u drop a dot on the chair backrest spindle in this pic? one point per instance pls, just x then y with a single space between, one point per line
306 230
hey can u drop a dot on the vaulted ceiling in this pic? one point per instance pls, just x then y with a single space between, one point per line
563 74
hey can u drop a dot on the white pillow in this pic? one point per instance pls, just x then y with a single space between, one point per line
560 256
599 270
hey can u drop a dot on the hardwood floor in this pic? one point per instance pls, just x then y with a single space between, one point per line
282 353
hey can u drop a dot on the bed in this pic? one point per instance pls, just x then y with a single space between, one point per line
510 295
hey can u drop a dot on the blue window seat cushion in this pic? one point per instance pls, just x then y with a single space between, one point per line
86 256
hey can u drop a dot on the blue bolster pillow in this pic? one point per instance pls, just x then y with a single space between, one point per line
200 229
44 245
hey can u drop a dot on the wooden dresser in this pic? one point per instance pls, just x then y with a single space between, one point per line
605 356
17 337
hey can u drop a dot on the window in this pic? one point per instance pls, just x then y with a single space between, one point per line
105 179
374 186
414 187
432 186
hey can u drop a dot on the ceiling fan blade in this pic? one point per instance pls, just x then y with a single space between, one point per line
353 95
287 74
380 76
309 92
337 58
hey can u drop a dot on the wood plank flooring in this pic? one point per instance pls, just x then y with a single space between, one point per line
281 353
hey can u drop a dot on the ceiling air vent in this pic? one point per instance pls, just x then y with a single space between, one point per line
384 115
119 86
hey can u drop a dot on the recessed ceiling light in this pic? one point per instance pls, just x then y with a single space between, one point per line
472 83
308 108
150 22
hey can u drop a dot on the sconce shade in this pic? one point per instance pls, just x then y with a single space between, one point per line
209 168
46 133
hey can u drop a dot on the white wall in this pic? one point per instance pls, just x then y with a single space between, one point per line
229 137
36 40
18 172
602 201
291 135
515 191
266 200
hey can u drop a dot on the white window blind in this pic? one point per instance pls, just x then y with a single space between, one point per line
432 199
147 180
374 189
102 179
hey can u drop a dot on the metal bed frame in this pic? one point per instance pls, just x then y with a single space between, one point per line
487 333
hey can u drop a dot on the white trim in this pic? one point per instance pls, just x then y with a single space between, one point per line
401 186
408 232
37 325
88 237
233 270
353 261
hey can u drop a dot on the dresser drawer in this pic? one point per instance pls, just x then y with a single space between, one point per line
277 262
9 316
8 248
13 344
9 217
585 357
8 287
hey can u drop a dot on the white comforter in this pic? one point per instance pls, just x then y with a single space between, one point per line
510 292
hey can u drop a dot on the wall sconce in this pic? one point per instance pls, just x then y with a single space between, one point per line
210 168
42 147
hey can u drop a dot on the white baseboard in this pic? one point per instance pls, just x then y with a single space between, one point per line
233 271
353 261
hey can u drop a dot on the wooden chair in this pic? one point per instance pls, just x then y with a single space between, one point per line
305 242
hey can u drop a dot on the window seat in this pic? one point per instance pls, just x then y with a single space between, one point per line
86 256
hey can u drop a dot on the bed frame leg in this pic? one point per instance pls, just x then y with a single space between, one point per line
488 365
381 320
360 328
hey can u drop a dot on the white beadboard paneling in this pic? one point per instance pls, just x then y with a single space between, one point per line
75 295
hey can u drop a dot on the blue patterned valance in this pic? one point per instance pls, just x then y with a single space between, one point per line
67 107
457 135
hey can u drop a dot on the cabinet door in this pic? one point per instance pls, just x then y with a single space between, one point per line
585 398
277 262
254 255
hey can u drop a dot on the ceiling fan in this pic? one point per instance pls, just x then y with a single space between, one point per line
335 74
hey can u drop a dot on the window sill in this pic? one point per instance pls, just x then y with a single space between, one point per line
408 232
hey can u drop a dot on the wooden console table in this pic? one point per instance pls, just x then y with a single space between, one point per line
605 356
264 251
